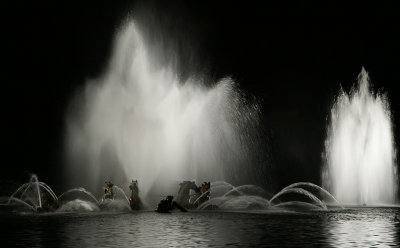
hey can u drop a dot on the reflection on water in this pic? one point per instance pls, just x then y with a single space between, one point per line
363 227
366 228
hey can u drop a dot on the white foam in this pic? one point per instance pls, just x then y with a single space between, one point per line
360 153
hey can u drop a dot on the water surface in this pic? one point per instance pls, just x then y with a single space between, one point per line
362 227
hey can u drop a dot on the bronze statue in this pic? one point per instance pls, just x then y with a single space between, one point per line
108 191
184 197
134 200
168 204
200 195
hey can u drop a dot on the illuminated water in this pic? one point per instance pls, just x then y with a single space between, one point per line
360 153
361 227
139 120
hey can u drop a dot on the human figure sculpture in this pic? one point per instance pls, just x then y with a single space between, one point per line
168 204
108 191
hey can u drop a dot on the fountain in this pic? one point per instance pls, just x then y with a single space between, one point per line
140 119
35 195
119 201
303 192
77 193
78 205
225 196
326 193
359 149
302 195
77 200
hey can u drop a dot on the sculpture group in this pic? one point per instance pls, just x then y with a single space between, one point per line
190 196
39 197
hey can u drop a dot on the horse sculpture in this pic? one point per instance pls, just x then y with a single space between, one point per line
200 195
134 200
203 195
184 195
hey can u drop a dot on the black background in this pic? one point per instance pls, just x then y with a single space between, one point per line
291 57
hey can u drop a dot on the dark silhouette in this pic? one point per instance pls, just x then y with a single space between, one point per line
167 205
134 200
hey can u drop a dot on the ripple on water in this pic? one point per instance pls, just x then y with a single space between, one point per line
361 227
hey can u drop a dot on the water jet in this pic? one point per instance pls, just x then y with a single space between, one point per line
360 155
139 119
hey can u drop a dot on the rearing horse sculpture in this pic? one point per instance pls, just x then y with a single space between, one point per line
184 193
134 200
201 194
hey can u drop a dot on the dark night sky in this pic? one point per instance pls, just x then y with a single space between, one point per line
292 58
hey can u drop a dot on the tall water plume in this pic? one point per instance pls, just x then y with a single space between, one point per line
359 149
140 120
